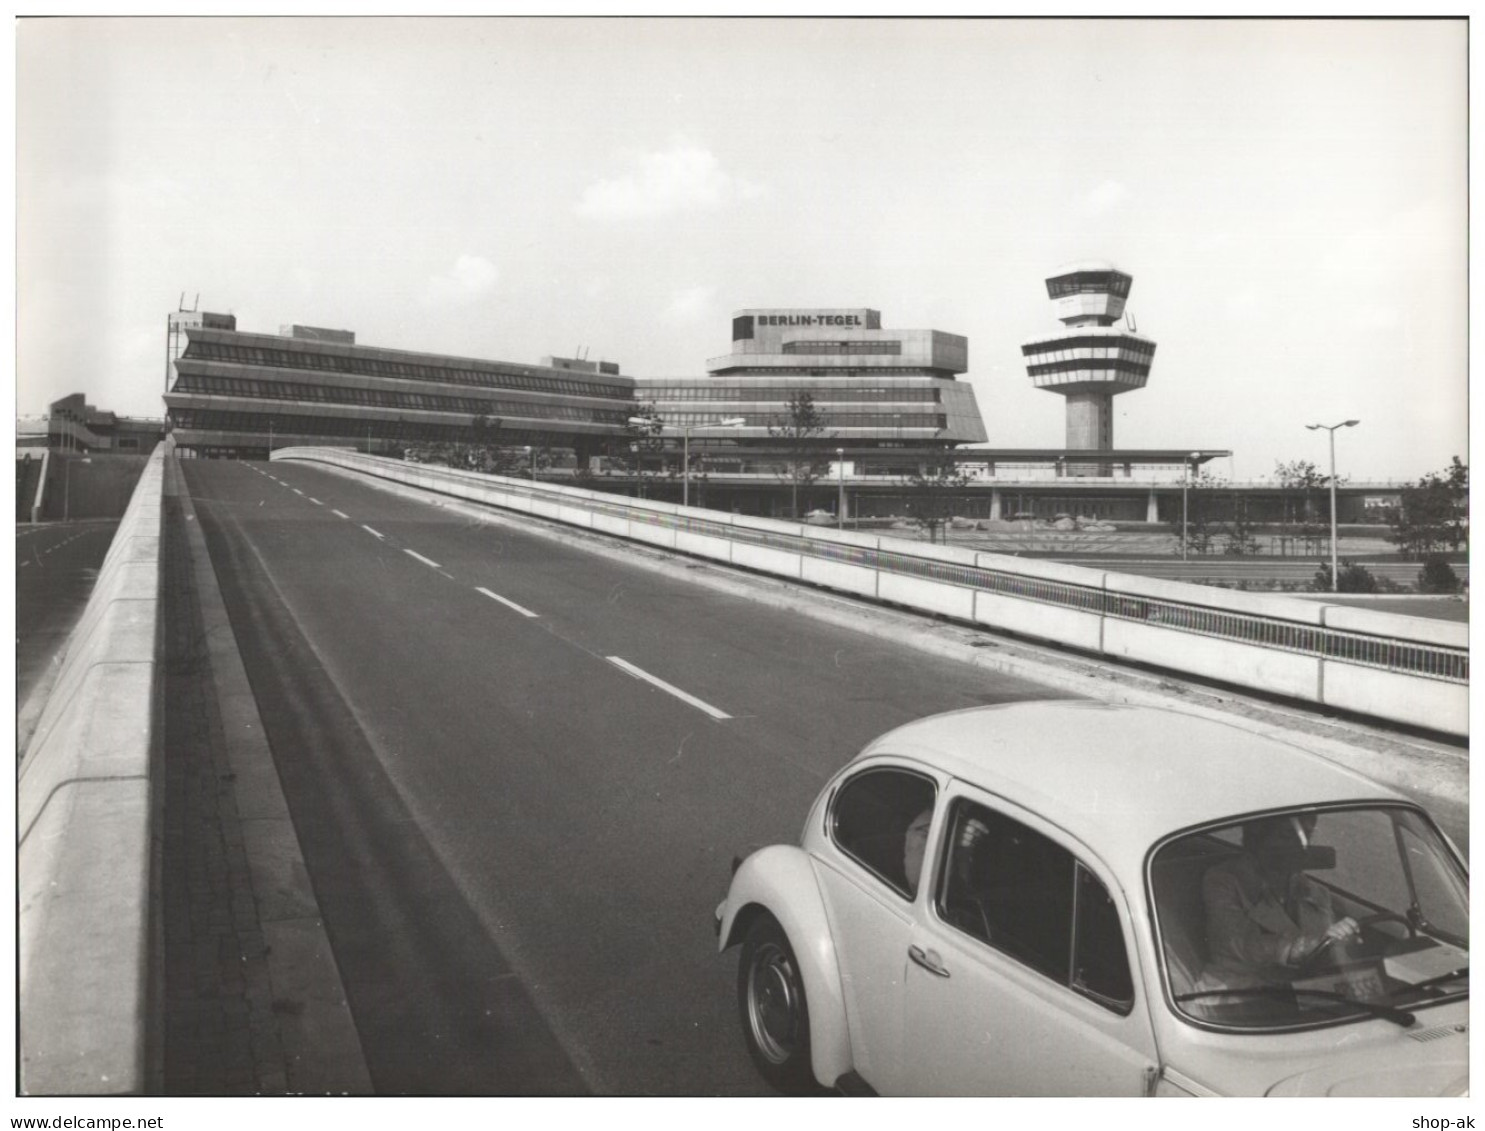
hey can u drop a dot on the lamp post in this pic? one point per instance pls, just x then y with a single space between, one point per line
1185 486
532 449
270 438
727 422
840 503
1335 575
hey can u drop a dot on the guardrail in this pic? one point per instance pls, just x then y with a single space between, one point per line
84 830
1403 669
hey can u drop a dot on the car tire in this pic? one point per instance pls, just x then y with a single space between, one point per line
773 1009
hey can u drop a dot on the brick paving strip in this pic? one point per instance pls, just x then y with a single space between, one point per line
253 1001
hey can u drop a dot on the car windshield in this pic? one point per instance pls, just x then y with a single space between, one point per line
1311 916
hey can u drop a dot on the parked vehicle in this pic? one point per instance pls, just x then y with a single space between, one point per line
1070 898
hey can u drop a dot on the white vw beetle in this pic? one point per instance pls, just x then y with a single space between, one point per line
1069 898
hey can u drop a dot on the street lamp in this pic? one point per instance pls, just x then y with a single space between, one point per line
1185 484
727 422
840 503
649 424
532 449
1335 577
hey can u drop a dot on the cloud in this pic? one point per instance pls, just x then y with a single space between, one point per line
682 178
690 304
470 278
1105 198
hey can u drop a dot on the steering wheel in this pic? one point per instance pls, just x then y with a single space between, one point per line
1388 916
1312 961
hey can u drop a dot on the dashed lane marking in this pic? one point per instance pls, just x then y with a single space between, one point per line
425 561
368 530
640 673
314 500
342 514
525 612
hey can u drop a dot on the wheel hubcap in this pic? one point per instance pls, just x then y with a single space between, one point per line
773 1004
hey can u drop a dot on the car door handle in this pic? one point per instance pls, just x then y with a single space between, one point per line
929 960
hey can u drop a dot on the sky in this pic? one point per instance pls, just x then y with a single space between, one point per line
1290 197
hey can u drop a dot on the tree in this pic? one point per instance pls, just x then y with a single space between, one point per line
1202 514
932 490
1433 514
799 430
1239 532
1301 482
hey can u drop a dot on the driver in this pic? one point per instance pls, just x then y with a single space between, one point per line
1264 915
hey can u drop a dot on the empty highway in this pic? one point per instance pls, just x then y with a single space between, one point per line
56 565
519 773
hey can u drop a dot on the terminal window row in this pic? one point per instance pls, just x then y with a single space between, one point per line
843 347
838 371
206 420
388 398
1096 347
1090 282
882 420
497 377
1087 365
734 393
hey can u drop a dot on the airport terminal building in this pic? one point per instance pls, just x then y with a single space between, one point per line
872 387
238 394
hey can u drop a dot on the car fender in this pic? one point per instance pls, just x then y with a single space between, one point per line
781 880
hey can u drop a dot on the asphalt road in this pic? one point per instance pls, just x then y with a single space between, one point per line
516 841
56 566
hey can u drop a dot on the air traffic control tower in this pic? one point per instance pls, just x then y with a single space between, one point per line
1093 360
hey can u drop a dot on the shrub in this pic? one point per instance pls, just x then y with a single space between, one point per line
1437 576
1353 578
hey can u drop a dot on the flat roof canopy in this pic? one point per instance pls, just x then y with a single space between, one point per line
1175 456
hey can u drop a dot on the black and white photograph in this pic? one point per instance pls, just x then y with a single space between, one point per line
586 566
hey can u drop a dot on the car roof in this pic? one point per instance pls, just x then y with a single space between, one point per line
1121 777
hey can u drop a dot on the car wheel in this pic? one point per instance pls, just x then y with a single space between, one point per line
775 1017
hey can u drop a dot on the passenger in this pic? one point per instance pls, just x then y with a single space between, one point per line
1264 916
914 844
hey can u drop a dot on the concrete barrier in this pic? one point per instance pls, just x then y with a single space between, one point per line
85 830
1404 669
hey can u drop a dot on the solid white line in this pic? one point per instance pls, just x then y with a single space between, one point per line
425 561
368 530
315 501
341 513
640 673
497 597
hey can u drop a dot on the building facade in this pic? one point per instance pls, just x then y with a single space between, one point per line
871 387
73 425
239 394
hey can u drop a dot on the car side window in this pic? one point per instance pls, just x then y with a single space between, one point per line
1100 962
1016 890
879 819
